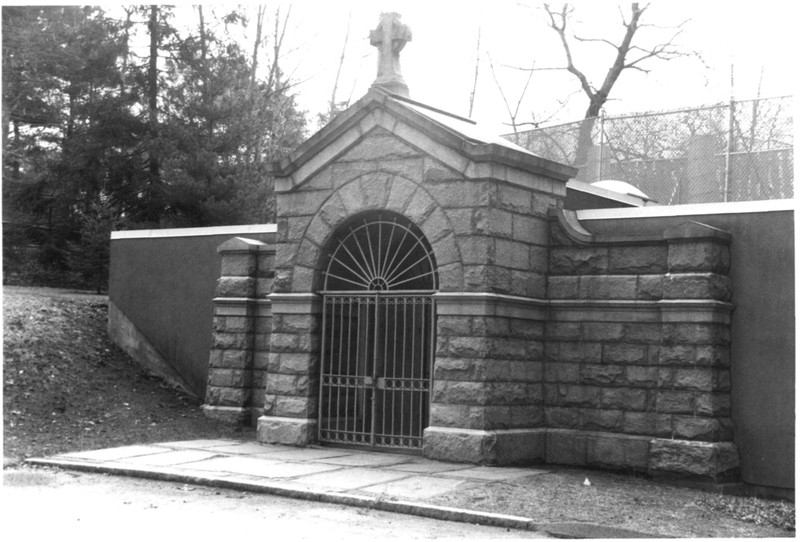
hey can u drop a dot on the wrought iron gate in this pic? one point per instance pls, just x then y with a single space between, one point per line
377 341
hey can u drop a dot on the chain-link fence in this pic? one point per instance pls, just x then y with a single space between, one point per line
740 151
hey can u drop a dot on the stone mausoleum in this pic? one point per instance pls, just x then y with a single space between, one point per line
428 292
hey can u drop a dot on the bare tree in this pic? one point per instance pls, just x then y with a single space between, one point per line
629 56
475 80
515 113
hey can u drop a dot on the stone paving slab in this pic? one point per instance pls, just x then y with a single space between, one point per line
351 478
170 457
262 468
388 482
492 473
426 467
368 460
209 443
111 454
306 454
247 448
416 487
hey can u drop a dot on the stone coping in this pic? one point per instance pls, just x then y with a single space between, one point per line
194 232
736 207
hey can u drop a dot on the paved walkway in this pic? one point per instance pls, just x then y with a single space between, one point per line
390 482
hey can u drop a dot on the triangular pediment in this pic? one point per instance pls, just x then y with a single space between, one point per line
385 123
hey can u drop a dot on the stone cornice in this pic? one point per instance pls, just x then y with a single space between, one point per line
655 311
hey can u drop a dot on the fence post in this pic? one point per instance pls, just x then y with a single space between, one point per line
729 150
602 142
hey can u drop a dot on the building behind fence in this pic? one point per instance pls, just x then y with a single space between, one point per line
741 151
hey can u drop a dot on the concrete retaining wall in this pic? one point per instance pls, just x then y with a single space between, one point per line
161 289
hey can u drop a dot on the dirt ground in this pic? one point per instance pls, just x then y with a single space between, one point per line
66 387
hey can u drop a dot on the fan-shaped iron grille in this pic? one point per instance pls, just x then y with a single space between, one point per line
377 336
380 255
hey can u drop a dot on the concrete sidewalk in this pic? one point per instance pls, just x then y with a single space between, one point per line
382 481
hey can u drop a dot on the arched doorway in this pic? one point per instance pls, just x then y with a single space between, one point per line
378 334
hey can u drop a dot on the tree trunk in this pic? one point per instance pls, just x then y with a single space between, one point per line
152 103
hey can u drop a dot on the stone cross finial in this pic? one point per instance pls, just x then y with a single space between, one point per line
390 37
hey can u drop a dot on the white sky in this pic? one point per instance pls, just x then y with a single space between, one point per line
439 63
758 38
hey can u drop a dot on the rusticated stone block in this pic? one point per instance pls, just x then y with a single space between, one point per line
295 323
602 331
513 198
292 406
568 373
602 374
583 352
459 369
641 377
578 260
529 229
490 326
280 384
463 193
508 348
527 329
623 398
624 353
647 423
298 363
618 451
697 286
511 254
526 416
231 341
476 250
446 415
301 202
650 287
289 431
608 287
702 256
566 447
714 356
593 419
448 326
236 287
463 393
716 405
561 417
695 379
562 287
284 342
219 396
420 206
468 347
571 395
451 277
238 265
492 221
699 428
436 226
643 333
680 457
221 377
674 402
567 331
696 334
637 259
677 355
